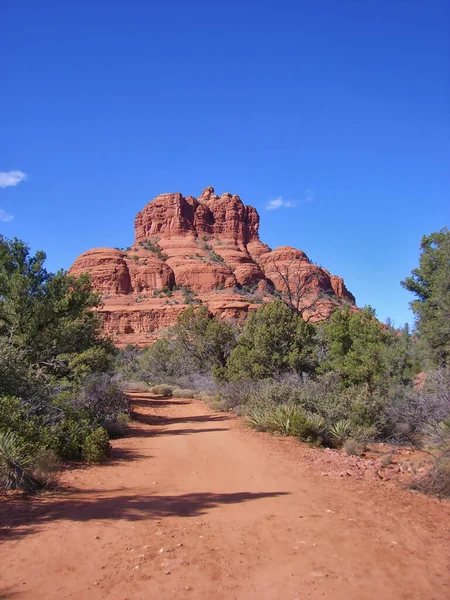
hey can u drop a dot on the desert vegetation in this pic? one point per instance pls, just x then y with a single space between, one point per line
59 398
341 383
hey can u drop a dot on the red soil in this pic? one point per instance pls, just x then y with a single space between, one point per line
194 505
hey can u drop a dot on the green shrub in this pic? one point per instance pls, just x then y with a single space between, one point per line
67 438
96 446
275 341
19 417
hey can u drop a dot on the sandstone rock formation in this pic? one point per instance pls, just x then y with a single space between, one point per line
206 250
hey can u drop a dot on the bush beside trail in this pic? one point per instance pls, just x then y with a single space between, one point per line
59 397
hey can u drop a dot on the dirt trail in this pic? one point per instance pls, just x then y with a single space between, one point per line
196 506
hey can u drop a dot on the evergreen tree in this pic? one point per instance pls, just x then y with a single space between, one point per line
275 340
430 282
356 347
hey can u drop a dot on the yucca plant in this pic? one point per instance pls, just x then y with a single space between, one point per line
287 419
340 431
258 418
16 464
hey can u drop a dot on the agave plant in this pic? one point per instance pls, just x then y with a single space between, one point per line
341 430
16 464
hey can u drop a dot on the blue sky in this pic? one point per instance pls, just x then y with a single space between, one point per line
338 111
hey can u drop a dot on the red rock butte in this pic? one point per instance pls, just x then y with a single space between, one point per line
200 250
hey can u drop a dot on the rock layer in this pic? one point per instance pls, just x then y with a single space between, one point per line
205 250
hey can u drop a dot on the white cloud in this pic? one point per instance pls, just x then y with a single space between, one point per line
279 203
4 217
11 178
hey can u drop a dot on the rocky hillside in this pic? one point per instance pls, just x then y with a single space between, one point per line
201 250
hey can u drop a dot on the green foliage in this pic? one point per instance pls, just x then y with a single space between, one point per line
153 246
96 446
188 294
23 419
402 356
197 343
67 437
356 347
214 257
97 359
160 362
275 340
46 314
430 283
52 347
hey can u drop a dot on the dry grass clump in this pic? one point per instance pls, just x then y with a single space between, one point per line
134 386
162 390
183 393
353 447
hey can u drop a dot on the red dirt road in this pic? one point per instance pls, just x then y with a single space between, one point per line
194 505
